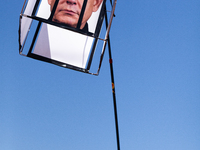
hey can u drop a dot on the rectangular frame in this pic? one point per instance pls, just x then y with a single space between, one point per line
31 15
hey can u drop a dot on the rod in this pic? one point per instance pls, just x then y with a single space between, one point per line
53 10
108 25
81 14
113 86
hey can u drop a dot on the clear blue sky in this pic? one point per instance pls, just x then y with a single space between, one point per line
156 53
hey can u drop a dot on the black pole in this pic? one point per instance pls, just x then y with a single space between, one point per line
113 85
53 10
81 14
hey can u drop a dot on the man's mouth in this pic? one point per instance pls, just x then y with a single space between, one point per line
69 12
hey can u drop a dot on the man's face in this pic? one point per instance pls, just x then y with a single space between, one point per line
68 11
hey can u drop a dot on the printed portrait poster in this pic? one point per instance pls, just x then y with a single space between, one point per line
66 30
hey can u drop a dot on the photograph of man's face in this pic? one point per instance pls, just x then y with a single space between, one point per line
68 11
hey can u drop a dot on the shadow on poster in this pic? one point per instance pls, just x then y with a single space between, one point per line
65 31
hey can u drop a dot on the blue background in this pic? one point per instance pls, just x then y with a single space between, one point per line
156 56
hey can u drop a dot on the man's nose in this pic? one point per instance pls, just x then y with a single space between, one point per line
71 2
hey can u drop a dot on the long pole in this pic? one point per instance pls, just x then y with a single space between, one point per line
113 87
